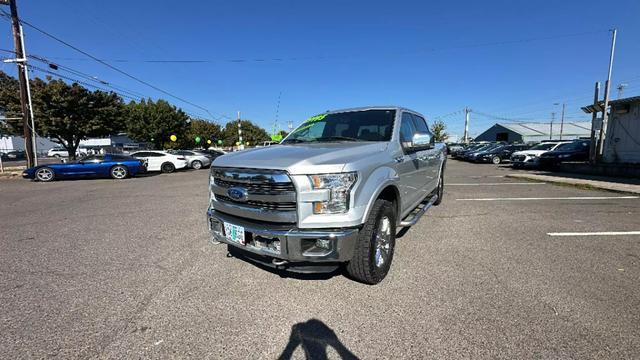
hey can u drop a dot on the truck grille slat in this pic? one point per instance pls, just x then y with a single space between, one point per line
285 206
258 188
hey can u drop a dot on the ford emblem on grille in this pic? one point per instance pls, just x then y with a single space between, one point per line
238 193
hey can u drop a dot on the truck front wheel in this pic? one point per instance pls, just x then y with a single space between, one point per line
375 245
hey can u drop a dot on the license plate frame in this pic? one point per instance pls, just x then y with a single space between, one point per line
234 233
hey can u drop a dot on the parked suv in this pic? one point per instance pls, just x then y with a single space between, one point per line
332 193
530 157
577 150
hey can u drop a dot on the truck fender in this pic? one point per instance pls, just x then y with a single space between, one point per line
376 183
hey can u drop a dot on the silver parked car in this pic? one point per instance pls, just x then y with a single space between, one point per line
195 160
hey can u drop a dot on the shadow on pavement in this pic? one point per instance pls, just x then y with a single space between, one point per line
314 337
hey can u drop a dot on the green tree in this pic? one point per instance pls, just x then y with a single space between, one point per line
203 129
155 122
70 113
251 133
10 105
66 113
438 129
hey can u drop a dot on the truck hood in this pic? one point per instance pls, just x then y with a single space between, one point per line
302 158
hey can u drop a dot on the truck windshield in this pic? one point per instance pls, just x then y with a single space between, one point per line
366 125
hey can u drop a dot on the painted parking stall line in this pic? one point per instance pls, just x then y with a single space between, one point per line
553 198
596 233
497 184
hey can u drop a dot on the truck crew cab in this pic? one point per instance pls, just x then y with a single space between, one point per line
333 192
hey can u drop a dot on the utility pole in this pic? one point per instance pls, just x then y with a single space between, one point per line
466 124
553 118
605 115
241 147
22 79
34 134
562 120
594 119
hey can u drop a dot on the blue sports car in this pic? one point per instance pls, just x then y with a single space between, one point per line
110 165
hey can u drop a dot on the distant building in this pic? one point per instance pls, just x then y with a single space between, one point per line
120 142
622 142
12 143
535 132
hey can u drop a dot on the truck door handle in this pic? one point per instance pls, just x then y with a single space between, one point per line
399 159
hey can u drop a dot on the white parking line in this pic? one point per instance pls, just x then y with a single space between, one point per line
554 198
601 233
497 184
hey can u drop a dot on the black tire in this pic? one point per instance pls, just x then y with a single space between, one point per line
119 172
364 266
496 160
167 168
196 164
57 156
440 189
44 174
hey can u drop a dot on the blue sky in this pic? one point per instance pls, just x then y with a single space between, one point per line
512 59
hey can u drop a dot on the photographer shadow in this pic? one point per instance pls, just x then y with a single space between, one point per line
314 337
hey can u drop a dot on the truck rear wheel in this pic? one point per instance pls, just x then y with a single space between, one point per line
375 245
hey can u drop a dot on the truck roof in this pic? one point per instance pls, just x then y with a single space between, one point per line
363 108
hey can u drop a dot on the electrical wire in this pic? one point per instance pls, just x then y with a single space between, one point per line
111 66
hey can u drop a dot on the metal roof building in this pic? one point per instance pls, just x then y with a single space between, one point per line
622 140
535 131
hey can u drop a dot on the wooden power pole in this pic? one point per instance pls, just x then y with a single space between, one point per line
22 78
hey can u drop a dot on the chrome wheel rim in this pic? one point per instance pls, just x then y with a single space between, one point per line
119 172
196 165
496 160
45 174
383 241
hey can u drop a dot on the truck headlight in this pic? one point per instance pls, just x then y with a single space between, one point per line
339 186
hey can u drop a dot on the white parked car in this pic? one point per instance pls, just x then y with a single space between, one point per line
161 160
530 157
59 152
195 159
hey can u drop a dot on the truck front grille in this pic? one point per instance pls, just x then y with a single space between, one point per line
266 195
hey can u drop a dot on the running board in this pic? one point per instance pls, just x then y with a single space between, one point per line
414 219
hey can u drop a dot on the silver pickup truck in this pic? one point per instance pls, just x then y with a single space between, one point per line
333 192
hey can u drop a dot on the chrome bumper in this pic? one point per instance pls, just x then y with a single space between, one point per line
295 245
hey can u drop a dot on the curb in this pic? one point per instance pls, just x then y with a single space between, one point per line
580 183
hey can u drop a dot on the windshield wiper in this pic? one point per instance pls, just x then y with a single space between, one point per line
336 138
295 141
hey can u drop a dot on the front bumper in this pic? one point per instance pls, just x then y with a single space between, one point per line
297 248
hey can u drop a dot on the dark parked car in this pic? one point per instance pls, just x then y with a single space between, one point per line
500 153
473 155
110 165
14 155
574 151
469 148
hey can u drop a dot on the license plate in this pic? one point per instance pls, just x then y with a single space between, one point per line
234 233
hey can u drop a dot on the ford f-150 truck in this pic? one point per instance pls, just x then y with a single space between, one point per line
333 192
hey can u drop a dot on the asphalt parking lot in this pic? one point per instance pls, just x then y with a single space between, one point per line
123 269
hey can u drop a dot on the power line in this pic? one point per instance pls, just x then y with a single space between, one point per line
111 66
328 57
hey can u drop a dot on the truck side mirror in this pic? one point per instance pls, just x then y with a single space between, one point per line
422 141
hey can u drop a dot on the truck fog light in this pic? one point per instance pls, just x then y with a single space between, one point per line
323 243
